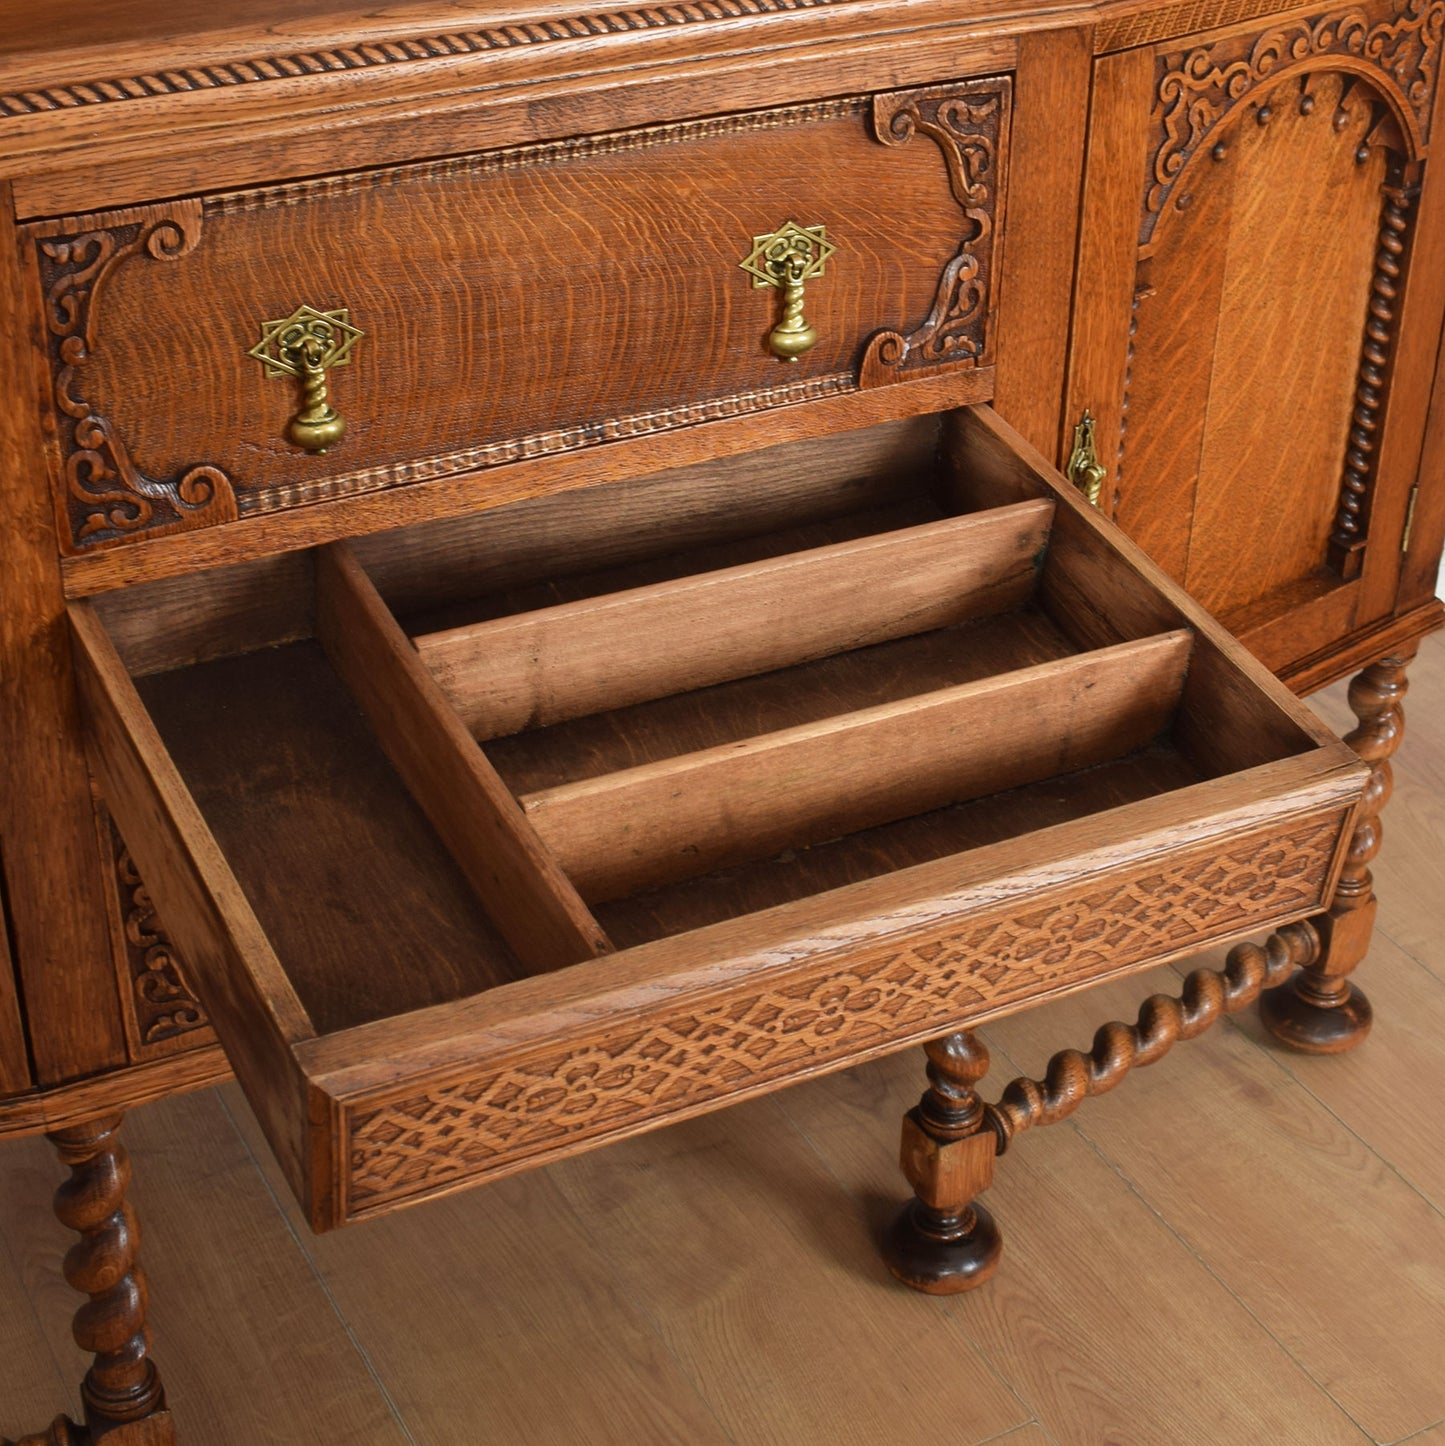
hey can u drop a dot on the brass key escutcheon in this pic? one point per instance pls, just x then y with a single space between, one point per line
1083 468
786 258
307 344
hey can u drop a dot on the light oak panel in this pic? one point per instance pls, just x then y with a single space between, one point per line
1266 501
623 831
602 653
534 906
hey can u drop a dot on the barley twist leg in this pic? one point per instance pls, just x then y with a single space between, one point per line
943 1241
121 1392
1320 1010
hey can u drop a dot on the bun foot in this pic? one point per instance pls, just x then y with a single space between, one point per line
1312 1028
942 1253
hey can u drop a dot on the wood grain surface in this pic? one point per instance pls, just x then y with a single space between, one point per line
526 895
603 298
695 812
53 884
723 1271
306 807
542 667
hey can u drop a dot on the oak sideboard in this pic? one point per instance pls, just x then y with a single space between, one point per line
561 569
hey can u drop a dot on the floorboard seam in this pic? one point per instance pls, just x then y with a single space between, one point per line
647 1314
1138 1192
1416 1435
949 1317
316 1274
1281 1062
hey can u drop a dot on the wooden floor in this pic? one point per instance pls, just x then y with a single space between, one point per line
1237 1247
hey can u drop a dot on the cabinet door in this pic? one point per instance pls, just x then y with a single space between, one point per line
1259 286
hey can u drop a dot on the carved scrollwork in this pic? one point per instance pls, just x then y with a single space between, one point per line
161 999
969 124
1399 55
109 497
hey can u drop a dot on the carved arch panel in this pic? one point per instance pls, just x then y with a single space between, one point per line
1269 257
1240 356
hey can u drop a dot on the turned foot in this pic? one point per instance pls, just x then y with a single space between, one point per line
1319 1010
124 1402
1328 1027
940 1252
943 1242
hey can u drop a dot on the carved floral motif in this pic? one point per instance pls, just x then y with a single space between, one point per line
1198 88
115 498
648 1067
969 124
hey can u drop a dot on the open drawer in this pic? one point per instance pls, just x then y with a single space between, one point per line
487 844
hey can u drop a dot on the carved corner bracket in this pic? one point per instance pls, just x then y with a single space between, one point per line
104 495
969 124
1397 53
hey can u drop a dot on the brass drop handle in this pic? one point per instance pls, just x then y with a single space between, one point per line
787 258
306 345
1083 468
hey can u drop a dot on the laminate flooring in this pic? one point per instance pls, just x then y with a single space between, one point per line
1239 1246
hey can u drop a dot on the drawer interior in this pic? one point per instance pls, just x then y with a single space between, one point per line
467 820
804 694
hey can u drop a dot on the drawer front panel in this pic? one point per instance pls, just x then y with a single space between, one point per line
513 303
688 1055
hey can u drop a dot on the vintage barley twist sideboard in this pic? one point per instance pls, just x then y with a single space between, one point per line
537 599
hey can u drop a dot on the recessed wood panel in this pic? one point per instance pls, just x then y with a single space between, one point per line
1249 318
1292 311
514 303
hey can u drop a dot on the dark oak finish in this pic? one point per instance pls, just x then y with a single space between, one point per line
62 953
944 1241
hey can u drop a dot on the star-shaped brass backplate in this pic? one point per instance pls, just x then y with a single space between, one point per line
330 333
768 263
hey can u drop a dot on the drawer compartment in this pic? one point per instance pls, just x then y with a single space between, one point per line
514 303
547 833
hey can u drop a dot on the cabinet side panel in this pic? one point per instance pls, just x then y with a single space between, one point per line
55 897
1045 170
14 1066
1416 436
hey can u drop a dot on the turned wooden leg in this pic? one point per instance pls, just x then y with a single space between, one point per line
124 1402
1319 1009
943 1241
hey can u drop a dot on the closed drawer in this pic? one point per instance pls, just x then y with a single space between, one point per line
511 304
477 876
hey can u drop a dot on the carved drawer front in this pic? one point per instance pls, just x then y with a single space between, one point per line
246 352
861 742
